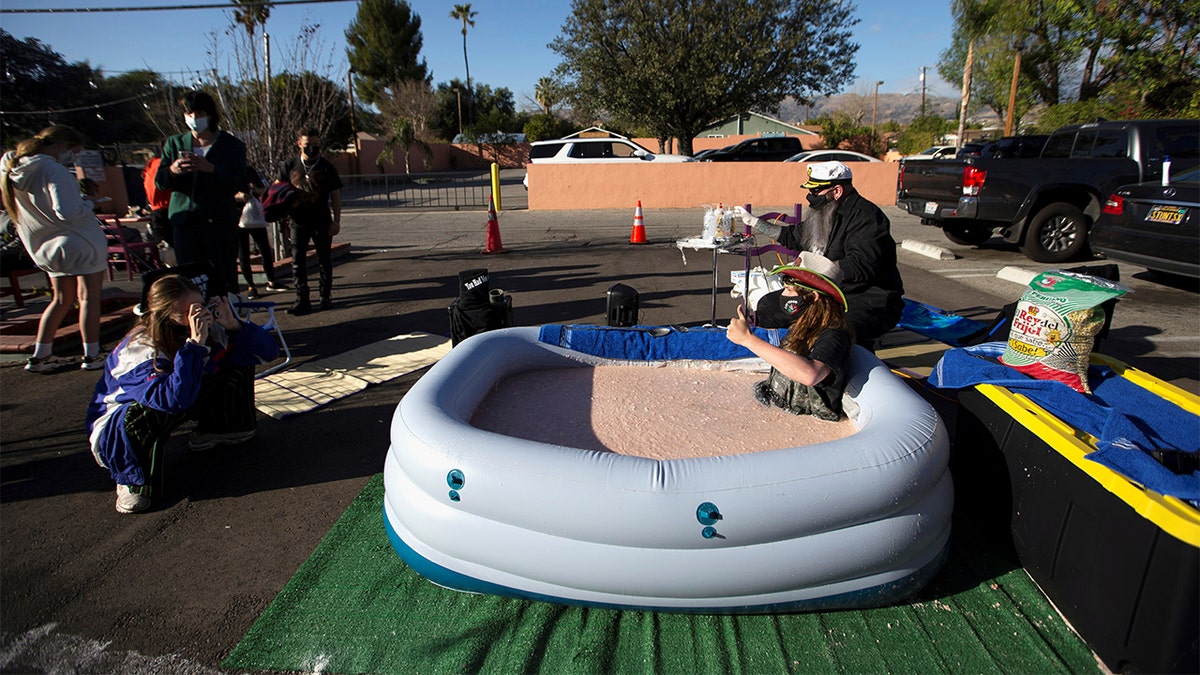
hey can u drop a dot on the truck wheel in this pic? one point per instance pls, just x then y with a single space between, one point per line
1057 233
972 234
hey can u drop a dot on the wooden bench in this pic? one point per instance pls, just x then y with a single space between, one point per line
14 285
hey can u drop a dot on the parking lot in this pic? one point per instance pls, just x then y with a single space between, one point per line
174 589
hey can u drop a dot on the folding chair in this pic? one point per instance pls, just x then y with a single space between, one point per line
134 255
200 275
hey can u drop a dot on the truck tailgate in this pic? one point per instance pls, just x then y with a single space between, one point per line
932 180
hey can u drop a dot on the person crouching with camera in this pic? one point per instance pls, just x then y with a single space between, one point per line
183 360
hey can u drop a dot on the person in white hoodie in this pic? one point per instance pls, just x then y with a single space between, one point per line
61 233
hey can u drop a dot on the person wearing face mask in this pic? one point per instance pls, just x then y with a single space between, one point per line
808 368
855 234
60 232
183 360
316 216
204 168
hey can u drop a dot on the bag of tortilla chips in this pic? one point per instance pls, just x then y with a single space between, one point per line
1056 320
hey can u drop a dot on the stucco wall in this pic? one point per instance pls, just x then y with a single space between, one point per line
771 185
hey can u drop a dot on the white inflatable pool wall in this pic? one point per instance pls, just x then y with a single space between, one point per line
862 521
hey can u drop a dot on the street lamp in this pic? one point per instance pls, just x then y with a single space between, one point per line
874 109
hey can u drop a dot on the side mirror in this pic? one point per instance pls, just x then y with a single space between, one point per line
642 154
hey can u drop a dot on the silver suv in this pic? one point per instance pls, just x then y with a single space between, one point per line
571 150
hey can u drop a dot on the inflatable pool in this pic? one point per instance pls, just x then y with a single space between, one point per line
860 521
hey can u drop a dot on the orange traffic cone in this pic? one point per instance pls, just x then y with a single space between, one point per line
493 230
639 226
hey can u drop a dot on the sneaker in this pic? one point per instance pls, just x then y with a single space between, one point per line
131 500
251 293
92 362
47 364
301 308
326 303
272 286
200 441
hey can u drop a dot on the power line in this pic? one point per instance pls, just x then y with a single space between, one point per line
160 8
94 106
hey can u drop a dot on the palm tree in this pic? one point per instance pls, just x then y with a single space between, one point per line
402 134
546 93
250 14
467 16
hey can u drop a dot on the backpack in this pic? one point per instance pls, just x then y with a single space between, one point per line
278 200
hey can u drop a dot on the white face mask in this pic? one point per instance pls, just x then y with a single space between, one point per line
66 157
196 124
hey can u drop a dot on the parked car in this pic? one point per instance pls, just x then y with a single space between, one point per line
935 152
1153 225
969 150
831 156
1045 204
1015 147
572 150
699 156
766 149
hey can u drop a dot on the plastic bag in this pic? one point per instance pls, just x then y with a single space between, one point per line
252 215
761 283
710 224
1054 325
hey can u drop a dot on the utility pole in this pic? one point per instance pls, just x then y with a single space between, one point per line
966 93
267 86
923 91
1012 92
458 92
353 124
874 110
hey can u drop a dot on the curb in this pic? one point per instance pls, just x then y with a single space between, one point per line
1017 275
927 250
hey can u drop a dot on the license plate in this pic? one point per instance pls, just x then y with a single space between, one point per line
1170 215
930 207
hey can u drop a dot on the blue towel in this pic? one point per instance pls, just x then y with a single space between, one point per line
1129 421
637 344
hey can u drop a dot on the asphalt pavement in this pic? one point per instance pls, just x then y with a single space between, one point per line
174 589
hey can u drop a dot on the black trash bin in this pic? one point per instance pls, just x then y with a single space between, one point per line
622 306
478 308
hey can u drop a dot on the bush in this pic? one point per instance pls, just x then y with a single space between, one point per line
922 133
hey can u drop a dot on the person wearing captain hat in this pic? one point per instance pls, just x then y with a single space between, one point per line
849 230
808 368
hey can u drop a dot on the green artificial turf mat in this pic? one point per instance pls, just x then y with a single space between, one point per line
355 607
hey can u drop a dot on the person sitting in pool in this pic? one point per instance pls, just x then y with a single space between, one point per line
808 369
183 360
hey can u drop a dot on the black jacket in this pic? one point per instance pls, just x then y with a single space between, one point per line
862 245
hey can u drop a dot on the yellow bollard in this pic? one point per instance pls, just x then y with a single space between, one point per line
496 185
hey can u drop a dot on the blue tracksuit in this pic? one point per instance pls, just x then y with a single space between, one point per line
130 377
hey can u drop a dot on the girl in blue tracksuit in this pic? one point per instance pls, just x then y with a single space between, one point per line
183 360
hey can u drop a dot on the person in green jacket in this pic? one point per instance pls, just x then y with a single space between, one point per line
204 168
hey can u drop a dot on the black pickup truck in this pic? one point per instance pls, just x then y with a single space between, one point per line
1046 204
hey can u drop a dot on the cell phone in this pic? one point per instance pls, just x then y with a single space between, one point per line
186 153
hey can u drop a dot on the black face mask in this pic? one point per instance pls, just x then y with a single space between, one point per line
816 201
792 304
312 150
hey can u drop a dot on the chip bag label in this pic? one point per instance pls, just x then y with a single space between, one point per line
1055 323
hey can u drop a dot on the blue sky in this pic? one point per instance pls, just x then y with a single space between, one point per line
507 47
